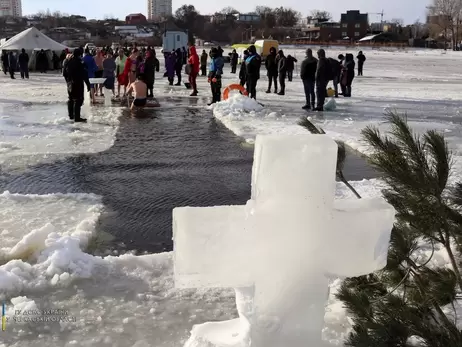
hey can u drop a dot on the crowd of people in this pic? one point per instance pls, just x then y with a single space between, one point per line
12 62
135 69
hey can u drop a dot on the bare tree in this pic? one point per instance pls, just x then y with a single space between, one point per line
397 21
228 10
446 15
321 16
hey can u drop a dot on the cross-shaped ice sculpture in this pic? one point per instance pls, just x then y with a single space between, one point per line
279 249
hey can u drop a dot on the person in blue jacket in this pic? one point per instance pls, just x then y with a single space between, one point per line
91 67
215 72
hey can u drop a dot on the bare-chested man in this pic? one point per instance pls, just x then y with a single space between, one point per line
140 90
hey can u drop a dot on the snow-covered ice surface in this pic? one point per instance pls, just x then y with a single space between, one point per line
128 300
34 126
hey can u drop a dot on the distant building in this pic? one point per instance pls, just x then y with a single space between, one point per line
247 17
324 32
384 27
10 8
354 24
135 19
158 9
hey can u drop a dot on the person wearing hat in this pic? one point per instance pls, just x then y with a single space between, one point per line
76 76
321 79
252 65
282 71
215 72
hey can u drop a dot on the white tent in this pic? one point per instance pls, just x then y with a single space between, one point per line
32 40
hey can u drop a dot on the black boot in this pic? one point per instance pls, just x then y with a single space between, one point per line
70 109
77 107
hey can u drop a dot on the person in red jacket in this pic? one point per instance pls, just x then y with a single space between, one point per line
194 68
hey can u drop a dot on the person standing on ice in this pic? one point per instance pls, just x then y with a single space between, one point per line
242 71
321 79
215 72
5 66
91 67
233 60
361 59
290 66
307 75
204 57
178 65
150 71
170 60
12 64
76 76
109 67
282 71
271 65
193 62
348 74
24 64
252 65
120 65
336 68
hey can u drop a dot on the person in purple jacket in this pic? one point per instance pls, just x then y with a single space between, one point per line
170 66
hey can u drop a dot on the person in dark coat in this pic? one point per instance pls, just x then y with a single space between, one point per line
348 74
242 70
233 60
220 51
215 73
12 64
204 57
336 68
252 65
178 65
42 62
170 62
149 71
308 75
5 66
76 78
272 70
185 55
23 60
321 79
361 59
55 60
282 71
341 59
290 66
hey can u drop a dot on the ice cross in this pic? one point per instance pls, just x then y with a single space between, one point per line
279 249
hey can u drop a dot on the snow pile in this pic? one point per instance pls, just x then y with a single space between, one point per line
37 249
237 103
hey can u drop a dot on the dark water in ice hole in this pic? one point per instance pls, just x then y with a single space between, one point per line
176 157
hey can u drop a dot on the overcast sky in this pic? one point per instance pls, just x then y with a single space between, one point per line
408 10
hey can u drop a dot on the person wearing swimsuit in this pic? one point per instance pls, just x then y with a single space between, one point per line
140 89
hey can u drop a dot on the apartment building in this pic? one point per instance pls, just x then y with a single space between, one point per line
354 24
158 9
10 8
